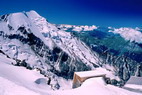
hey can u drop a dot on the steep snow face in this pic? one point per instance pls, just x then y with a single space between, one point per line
35 43
65 40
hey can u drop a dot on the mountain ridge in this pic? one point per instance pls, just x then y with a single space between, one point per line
36 44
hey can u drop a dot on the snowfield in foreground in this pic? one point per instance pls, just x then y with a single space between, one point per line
21 81
10 88
96 86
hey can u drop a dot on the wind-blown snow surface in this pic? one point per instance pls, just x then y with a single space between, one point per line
9 88
16 80
96 86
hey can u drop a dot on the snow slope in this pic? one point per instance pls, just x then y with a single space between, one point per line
9 88
134 84
20 81
64 40
29 38
96 86
16 80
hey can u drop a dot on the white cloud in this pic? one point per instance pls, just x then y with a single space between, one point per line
129 34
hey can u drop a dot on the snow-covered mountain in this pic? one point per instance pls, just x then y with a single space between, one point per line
34 43
42 57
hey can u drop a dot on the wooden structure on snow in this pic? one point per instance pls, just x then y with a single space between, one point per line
80 77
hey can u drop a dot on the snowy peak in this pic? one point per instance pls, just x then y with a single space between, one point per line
33 14
28 37
20 18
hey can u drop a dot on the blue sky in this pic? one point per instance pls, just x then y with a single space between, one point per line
115 13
